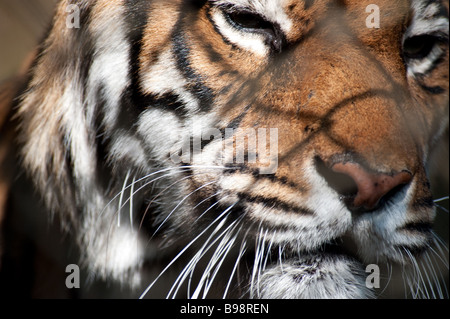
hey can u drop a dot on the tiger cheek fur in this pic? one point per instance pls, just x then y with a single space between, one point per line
114 109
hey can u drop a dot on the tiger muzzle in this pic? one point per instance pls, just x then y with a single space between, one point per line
361 189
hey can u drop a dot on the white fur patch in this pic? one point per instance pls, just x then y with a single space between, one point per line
313 277
117 254
162 132
424 21
127 148
77 134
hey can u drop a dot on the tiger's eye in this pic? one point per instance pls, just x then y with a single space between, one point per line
419 47
247 20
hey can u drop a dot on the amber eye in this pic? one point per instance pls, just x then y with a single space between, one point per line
248 20
419 47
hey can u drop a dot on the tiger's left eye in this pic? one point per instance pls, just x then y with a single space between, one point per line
248 20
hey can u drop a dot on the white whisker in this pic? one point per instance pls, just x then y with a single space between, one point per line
224 213
181 202
429 264
131 202
218 258
389 270
208 209
241 253
165 170
190 267
441 199
121 197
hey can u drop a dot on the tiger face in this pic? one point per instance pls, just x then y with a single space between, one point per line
344 114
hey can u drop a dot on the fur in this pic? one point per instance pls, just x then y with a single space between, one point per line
109 106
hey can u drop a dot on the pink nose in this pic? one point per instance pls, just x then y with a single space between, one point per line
370 187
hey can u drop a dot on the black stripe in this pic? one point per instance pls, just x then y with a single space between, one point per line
182 54
276 203
168 102
436 90
283 180
420 227
133 100
83 35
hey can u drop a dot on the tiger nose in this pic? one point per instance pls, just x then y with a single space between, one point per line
361 190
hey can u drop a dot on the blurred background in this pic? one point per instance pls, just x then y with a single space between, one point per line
23 24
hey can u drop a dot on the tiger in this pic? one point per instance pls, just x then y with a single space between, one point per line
272 149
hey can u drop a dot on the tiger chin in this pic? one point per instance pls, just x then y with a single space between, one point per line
127 128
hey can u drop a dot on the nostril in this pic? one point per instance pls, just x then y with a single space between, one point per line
343 184
361 189
372 187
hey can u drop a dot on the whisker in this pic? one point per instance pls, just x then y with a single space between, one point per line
224 213
208 209
189 269
179 204
155 198
241 253
208 198
268 251
421 279
436 201
131 202
441 199
442 276
428 279
280 257
389 270
412 277
257 263
439 244
441 208
121 197
429 264
228 243
168 170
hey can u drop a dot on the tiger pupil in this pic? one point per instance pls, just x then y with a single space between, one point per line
419 47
